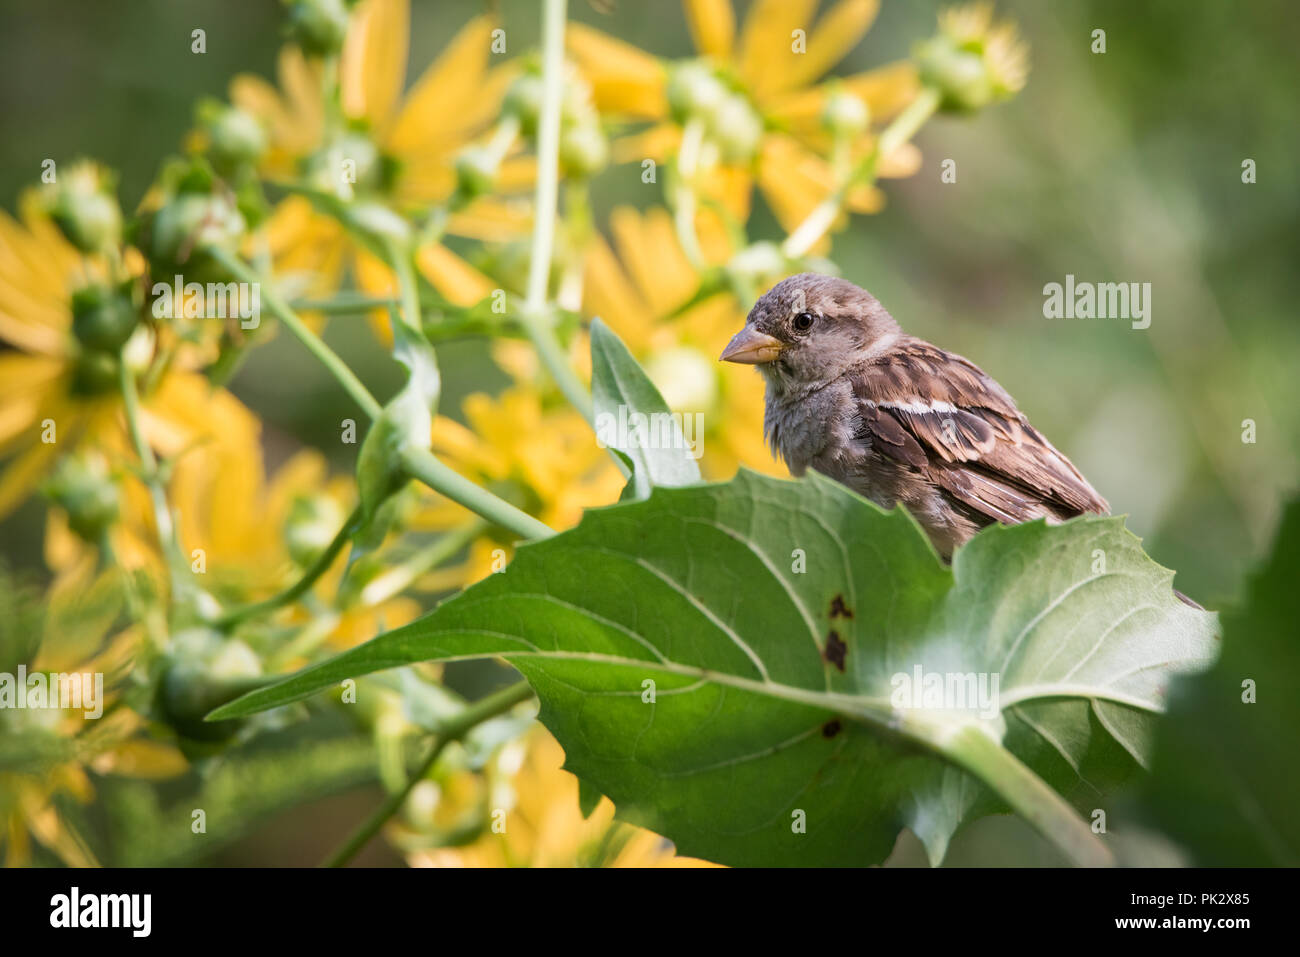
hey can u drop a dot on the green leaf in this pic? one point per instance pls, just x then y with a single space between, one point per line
1224 780
779 623
632 418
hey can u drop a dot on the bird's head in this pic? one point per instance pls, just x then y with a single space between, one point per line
806 330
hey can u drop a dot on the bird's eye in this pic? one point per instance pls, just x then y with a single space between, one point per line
804 321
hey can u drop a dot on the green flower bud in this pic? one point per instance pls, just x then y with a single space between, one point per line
972 62
845 115
686 378
694 91
83 206
103 318
312 524
192 222
736 128
756 263
348 165
476 171
237 137
524 101
94 373
204 670
82 487
318 26
584 151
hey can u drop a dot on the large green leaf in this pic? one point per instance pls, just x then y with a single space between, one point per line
775 619
1224 777
631 417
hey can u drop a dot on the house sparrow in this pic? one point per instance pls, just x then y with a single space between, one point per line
897 419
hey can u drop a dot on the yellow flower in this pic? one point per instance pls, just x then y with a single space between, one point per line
773 67
257 534
57 392
544 822
403 147
56 748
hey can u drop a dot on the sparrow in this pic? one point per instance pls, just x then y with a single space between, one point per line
897 419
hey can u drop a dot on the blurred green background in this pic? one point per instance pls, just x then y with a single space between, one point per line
1117 167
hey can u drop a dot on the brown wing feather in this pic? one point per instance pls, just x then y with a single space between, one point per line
975 443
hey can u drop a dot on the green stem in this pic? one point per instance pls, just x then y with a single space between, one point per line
327 356
1028 794
149 468
902 129
397 578
423 465
294 591
483 710
536 318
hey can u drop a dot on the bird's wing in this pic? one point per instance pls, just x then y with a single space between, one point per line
939 413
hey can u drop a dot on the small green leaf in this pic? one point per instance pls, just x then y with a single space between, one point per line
723 661
632 418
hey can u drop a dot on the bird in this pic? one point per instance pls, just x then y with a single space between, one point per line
897 419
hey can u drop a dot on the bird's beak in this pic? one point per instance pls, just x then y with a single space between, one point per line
752 347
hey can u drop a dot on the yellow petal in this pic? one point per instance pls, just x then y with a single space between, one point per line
452 276
447 90
766 55
623 78
372 66
713 26
837 32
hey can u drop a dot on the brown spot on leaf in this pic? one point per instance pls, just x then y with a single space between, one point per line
836 649
831 728
839 609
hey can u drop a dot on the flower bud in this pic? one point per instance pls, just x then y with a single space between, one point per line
476 171
202 671
312 524
757 262
103 318
237 137
584 151
694 91
845 115
524 101
82 487
736 128
686 378
192 222
348 165
972 62
83 206
318 26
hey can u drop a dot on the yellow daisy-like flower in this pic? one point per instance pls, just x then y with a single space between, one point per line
403 147
544 826
258 533
776 64
55 392
59 747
